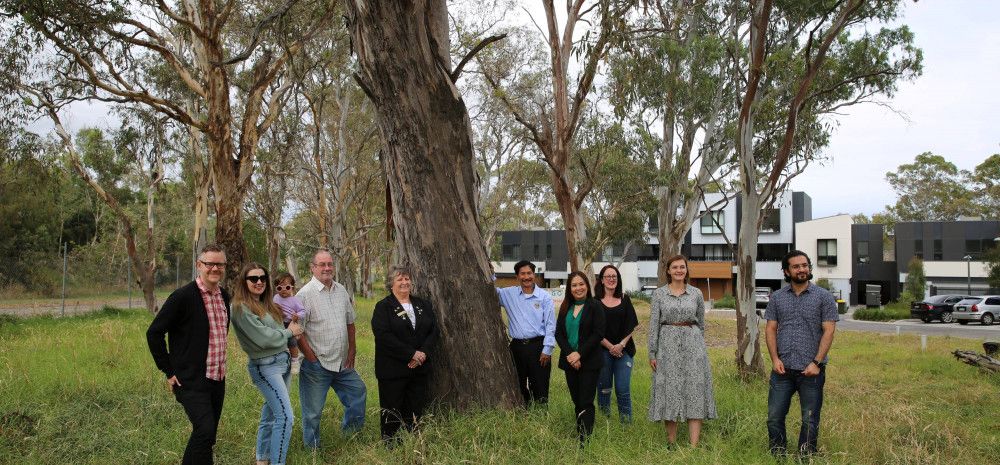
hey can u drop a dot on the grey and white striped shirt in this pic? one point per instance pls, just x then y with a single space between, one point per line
328 312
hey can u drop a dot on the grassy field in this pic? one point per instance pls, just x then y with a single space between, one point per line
84 390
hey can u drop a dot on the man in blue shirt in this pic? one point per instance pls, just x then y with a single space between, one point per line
801 319
532 327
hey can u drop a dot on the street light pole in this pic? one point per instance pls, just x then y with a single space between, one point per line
968 274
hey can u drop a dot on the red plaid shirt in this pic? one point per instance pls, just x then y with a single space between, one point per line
218 324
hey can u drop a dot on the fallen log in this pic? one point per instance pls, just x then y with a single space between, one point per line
983 362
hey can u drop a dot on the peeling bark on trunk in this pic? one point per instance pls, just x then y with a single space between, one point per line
428 159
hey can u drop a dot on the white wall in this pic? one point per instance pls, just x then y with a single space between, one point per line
729 221
832 227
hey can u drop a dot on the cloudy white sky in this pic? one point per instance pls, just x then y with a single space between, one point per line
953 110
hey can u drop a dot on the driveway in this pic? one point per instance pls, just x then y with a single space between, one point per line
848 323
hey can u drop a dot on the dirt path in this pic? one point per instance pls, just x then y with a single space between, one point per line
55 308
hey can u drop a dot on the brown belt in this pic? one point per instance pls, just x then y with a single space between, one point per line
682 323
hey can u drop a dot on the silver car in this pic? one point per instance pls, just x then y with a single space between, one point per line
984 309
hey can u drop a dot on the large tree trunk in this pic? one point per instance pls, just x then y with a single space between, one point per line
428 159
576 232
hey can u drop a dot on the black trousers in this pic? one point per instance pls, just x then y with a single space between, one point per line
582 389
203 406
532 377
402 402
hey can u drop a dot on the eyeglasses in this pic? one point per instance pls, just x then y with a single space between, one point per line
610 276
323 265
257 279
211 265
283 287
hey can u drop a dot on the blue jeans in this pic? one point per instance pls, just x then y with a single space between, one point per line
270 375
616 371
314 382
779 399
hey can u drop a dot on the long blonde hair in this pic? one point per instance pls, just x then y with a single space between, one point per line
258 305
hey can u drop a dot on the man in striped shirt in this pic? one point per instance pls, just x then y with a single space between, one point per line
196 319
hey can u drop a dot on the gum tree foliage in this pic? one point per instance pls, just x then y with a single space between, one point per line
227 57
931 188
801 62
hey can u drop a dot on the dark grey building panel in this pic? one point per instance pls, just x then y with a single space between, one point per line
944 240
802 207
869 266
537 246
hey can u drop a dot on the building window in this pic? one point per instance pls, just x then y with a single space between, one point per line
863 255
918 248
710 252
938 250
511 252
771 220
536 252
772 252
712 222
826 252
974 248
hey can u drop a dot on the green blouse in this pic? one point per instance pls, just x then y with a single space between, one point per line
573 326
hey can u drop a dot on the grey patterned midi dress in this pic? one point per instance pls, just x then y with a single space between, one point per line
682 382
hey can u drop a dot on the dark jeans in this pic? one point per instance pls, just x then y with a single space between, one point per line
203 406
402 402
532 377
779 399
582 389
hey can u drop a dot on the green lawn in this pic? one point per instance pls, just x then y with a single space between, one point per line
84 390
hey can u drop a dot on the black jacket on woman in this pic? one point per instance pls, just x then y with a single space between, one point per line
396 340
591 334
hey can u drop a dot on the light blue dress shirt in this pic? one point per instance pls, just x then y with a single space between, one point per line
530 315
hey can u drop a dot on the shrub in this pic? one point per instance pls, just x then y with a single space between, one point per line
891 313
916 282
825 284
726 301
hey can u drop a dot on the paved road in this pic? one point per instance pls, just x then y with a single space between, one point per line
970 331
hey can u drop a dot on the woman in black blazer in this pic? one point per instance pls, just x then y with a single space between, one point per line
405 331
579 331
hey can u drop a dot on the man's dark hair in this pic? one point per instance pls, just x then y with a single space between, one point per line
212 247
522 264
793 254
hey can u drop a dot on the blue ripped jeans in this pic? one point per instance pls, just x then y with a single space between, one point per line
616 372
270 375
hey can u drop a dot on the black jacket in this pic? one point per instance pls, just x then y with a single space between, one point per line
591 333
396 340
184 319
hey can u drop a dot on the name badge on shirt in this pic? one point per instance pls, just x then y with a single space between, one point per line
538 306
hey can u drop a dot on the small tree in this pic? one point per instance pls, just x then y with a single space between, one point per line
916 282
825 284
992 259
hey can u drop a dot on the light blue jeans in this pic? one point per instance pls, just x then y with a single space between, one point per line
617 372
314 382
270 375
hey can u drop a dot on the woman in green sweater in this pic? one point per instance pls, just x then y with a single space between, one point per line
258 324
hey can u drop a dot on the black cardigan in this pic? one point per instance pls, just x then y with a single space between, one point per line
184 319
591 334
396 340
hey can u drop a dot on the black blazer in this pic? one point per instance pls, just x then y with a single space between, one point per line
396 340
184 319
591 333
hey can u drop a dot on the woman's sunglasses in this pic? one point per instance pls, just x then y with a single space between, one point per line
257 279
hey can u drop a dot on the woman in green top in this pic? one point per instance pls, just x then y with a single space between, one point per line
579 331
257 321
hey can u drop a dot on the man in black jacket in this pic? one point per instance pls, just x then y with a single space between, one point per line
196 318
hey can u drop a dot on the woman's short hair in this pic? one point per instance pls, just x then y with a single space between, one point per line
687 273
394 271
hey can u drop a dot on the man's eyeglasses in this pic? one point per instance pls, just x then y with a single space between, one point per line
281 287
211 265
257 279
323 265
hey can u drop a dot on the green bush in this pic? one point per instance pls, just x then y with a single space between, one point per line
726 301
888 313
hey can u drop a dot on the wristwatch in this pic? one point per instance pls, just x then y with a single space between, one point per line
816 362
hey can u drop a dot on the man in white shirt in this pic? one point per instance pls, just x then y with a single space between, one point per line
329 350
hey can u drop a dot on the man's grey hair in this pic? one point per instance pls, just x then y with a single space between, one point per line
319 251
394 271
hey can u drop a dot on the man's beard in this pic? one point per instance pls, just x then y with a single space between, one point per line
795 279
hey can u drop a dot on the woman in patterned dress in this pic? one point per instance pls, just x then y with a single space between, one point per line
682 375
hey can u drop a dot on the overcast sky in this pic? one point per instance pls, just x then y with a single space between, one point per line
953 111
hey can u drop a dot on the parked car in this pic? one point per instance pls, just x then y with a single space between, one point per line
761 296
984 309
939 307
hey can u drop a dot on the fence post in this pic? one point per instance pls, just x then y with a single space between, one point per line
64 254
178 268
129 282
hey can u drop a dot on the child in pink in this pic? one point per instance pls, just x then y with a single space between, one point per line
293 309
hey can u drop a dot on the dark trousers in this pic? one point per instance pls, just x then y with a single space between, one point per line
532 377
402 402
582 389
203 406
779 399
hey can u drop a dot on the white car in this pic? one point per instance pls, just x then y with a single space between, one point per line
761 296
984 309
